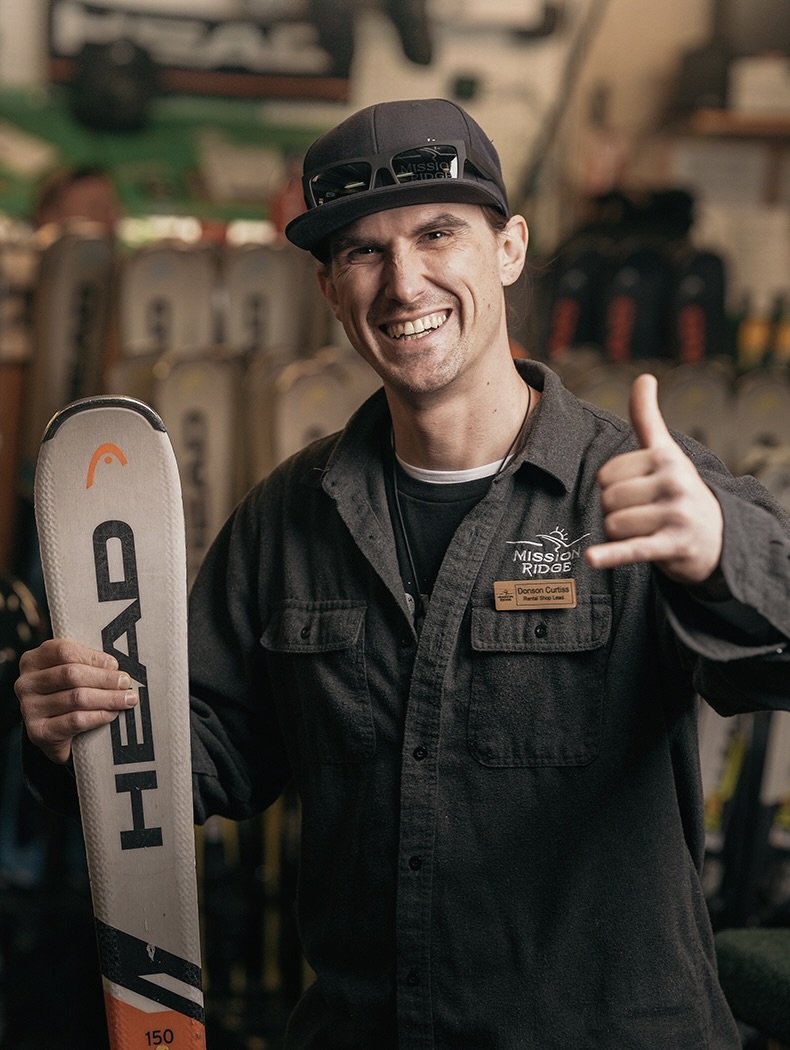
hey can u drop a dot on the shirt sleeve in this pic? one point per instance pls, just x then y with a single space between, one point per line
51 784
239 765
739 645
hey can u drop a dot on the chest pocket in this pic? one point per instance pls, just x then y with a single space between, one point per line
538 684
317 660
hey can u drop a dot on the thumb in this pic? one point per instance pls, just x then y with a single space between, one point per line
648 423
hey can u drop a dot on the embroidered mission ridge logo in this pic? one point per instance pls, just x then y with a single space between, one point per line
546 564
549 554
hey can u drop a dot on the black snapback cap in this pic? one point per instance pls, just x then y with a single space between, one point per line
389 127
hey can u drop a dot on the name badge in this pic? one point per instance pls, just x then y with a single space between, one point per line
510 595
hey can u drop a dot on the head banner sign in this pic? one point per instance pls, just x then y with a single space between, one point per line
291 52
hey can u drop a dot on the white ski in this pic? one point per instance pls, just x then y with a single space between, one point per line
111 529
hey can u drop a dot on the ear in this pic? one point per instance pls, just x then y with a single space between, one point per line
513 249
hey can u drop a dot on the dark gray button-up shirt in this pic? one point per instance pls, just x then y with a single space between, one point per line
502 828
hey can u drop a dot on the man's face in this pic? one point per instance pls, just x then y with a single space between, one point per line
419 291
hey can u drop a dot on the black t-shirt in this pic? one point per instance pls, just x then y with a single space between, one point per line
425 516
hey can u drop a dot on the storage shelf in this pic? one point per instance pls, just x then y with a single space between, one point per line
744 125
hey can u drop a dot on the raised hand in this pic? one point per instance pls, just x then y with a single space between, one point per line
656 506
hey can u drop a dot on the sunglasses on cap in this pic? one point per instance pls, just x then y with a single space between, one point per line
394 168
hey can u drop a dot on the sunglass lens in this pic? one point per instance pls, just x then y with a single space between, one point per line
340 181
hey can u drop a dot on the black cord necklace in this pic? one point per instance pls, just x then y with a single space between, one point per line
515 445
419 601
517 441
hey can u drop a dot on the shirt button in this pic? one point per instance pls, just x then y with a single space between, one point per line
405 642
413 978
305 631
420 753
415 863
541 630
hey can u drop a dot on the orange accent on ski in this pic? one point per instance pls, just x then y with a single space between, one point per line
133 1029
106 451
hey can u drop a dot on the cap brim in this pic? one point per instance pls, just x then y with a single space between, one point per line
311 229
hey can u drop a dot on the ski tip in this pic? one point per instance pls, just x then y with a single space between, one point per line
103 401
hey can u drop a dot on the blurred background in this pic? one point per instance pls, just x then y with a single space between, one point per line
150 153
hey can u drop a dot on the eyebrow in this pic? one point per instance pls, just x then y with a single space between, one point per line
445 220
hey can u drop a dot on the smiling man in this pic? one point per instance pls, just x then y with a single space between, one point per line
472 628
419 291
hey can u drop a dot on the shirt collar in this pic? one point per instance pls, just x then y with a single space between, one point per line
558 432
555 443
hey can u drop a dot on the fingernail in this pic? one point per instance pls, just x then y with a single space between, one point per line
124 681
130 699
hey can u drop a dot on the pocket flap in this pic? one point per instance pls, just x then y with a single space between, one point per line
543 631
313 627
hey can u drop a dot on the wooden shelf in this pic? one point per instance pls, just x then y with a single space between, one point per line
726 122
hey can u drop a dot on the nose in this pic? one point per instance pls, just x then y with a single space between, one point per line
404 276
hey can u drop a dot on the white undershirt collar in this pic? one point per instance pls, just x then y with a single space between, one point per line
452 477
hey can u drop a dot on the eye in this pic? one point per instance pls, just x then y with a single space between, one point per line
362 253
437 237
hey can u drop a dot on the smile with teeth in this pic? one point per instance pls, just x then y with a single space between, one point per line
417 327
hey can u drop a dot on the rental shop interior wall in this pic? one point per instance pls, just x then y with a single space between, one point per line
532 95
